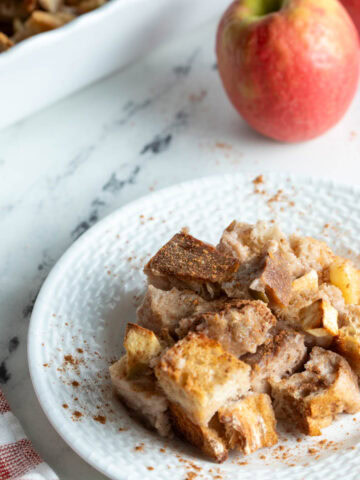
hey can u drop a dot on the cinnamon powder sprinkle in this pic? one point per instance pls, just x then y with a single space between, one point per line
80 350
259 179
191 476
139 448
223 145
150 468
100 418
77 414
65 405
75 384
69 359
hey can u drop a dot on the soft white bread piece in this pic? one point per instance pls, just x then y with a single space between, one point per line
142 396
207 438
186 262
312 253
281 355
246 242
240 325
199 375
142 347
312 399
162 310
249 423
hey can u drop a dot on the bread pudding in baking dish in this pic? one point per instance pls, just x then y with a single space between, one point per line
233 338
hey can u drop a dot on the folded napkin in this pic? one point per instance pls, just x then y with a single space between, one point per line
18 459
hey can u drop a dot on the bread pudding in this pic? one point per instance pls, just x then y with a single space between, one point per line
235 337
21 19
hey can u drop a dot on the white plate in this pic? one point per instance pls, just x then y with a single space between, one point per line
93 291
92 46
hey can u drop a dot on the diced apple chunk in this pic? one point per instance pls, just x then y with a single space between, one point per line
330 319
347 278
320 314
318 337
309 281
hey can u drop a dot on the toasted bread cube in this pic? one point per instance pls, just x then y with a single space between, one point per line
186 262
240 325
281 355
318 337
206 438
199 375
345 276
141 346
320 314
142 396
249 423
309 281
312 399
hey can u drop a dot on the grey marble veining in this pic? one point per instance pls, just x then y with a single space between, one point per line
162 120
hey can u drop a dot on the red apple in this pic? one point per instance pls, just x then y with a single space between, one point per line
353 7
289 67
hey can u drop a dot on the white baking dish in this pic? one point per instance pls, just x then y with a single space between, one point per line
51 65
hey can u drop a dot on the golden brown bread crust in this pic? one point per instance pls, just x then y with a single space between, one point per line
186 258
201 376
205 438
249 423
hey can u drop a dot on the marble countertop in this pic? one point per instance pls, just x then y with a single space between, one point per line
162 120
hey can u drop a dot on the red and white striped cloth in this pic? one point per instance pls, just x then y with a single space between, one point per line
18 459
